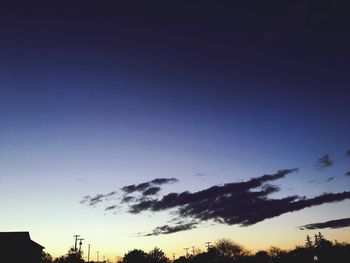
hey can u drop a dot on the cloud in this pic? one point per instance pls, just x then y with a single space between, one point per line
339 223
151 191
330 179
160 181
215 193
347 173
112 207
324 161
237 203
347 152
199 174
242 203
130 193
166 229
145 186
127 199
91 201
136 188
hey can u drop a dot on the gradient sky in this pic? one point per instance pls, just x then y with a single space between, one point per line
96 96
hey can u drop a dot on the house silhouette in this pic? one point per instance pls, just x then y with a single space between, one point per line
17 247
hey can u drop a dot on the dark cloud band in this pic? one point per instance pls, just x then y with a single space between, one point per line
238 203
339 223
244 203
166 229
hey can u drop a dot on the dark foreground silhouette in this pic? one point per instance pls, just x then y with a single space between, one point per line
17 247
226 251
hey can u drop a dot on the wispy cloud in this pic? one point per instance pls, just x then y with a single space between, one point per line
324 161
143 187
166 229
347 153
112 207
93 200
130 193
339 223
330 179
135 188
160 181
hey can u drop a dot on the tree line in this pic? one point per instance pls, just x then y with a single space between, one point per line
315 249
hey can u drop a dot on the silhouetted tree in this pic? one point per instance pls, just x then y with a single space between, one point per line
211 256
230 250
323 248
299 254
261 256
135 256
46 258
277 254
156 255
181 259
72 256
308 242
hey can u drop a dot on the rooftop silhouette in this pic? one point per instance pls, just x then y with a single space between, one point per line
17 247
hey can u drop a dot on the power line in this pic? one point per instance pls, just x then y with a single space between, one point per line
89 253
75 243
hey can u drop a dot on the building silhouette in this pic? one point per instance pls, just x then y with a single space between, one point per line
17 247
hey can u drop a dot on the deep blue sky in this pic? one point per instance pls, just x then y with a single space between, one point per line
119 93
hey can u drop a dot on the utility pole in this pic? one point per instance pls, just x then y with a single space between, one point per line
89 253
208 245
193 250
98 260
186 248
80 243
75 243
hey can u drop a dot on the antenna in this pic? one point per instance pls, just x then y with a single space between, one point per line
75 243
208 244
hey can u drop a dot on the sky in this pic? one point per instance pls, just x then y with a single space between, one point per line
95 97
